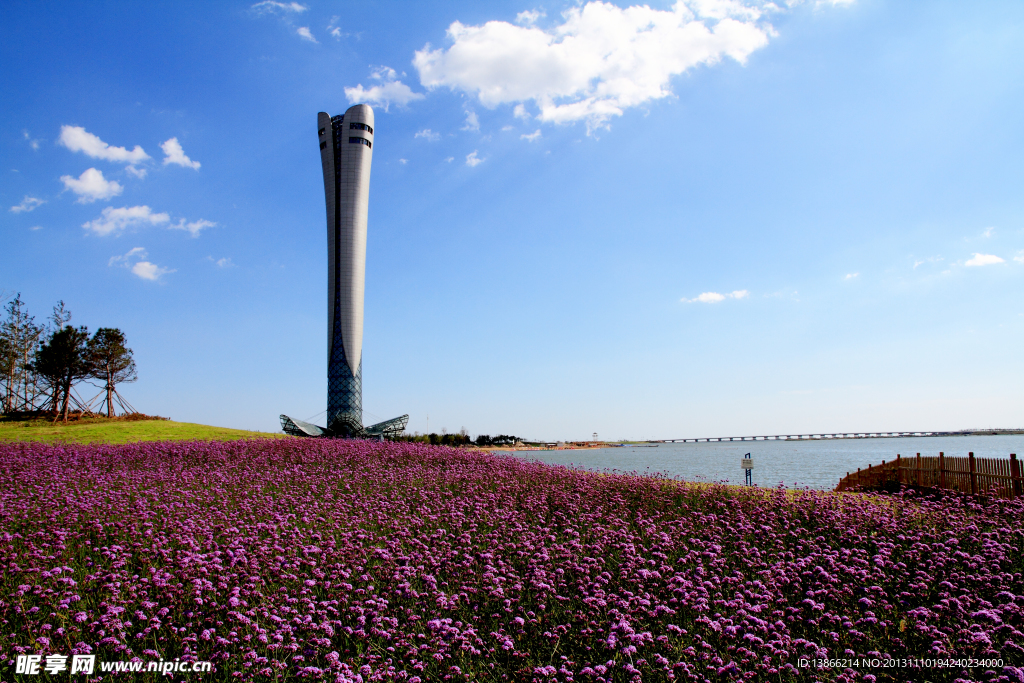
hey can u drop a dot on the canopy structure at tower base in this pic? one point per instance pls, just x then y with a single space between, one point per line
343 428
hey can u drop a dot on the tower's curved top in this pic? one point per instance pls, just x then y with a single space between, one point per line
362 113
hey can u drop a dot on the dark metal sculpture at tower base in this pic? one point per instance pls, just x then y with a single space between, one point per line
345 429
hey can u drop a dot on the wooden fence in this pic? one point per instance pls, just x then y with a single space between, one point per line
992 476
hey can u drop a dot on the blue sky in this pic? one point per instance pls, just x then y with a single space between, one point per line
658 221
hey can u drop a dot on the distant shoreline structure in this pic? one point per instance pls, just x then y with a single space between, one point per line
836 436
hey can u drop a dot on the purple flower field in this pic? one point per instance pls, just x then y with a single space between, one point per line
365 561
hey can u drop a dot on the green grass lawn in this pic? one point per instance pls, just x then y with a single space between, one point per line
101 430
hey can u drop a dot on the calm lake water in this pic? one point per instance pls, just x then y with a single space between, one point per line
794 464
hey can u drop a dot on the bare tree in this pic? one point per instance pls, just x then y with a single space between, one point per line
21 337
112 362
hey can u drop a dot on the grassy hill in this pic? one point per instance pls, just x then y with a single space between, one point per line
119 431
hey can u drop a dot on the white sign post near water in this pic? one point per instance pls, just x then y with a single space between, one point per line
747 463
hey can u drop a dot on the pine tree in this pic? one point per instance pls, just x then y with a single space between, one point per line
112 362
62 361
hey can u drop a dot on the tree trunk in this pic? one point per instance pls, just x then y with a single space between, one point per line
67 398
110 397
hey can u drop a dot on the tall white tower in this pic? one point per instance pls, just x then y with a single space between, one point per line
346 150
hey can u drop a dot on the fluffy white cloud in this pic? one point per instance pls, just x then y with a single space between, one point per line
304 33
472 121
531 136
1019 258
91 185
115 220
520 112
428 134
270 6
389 91
77 139
174 154
529 17
27 204
150 271
134 261
715 297
601 60
850 276
334 30
34 144
136 253
194 227
473 160
983 260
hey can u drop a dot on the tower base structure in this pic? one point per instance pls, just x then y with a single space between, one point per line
343 428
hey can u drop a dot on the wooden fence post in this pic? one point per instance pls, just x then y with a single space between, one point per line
974 476
917 465
1014 476
942 471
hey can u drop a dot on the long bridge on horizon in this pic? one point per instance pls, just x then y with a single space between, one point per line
819 436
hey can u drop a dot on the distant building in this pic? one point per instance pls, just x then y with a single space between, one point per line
346 150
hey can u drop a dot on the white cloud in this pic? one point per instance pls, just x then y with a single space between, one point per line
390 91
174 154
136 171
115 220
134 262
1019 258
91 185
403 161
27 204
473 160
137 252
34 144
334 30
304 33
988 232
428 134
269 6
77 139
194 227
472 121
221 262
36 227
529 17
715 297
600 61
520 112
928 259
531 137
449 159
983 260
150 271
850 276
